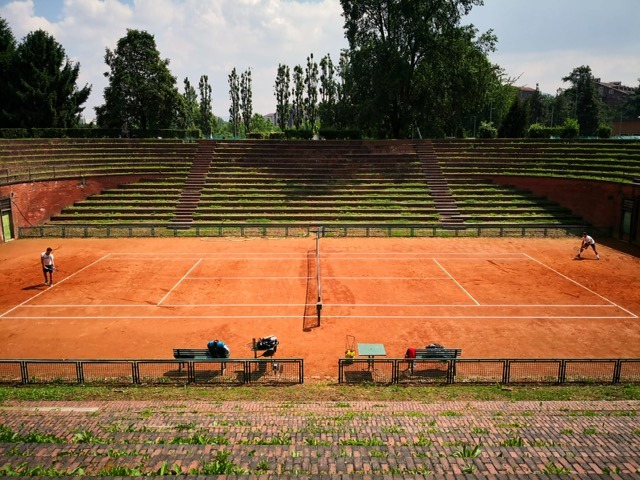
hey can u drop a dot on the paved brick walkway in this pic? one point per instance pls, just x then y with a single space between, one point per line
323 440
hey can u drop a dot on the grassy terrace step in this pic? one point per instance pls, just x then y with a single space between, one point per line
604 160
254 209
309 185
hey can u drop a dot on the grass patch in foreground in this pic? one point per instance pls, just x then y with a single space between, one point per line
323 392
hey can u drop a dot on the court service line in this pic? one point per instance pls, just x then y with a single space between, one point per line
355 305
63 280
582 286
457 283
264 277
179 282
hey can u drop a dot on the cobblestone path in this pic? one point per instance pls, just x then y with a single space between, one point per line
322 440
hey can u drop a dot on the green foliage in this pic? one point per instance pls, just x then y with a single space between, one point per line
14 133
246 102
221 465
298 96
260 125
25 471
299 134
468 451
515 123
9 436
513 442
205 113
141 93
414 63
604 131
87 437
487 130
200 440
38 82
7 69
552 469
586 102
368 442
283 104
234 109
570 128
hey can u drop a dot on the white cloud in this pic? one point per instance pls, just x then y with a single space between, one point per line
542 41
199 37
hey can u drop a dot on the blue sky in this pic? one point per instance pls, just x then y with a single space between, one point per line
540 41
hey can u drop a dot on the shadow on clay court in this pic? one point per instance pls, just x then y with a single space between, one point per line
39 286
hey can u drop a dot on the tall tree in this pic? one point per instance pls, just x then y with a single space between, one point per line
205 116
328 90
298 96
311 89
400 59
246 101
141 93
283 104
586 102
514 124
536 106
234 109
7 74
631 108
45 87
191 114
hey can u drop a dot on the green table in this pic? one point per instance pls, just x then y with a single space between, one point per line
371 350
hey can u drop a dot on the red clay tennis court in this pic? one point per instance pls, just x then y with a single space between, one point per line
494 298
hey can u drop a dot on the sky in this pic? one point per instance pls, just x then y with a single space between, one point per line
539 41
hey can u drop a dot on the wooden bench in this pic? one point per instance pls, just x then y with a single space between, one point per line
197 353
442 354
438 353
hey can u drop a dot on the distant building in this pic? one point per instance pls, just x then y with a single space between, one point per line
613 94
271 117
525 93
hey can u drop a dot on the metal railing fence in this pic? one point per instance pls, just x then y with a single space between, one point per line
489 371
281 371
130 230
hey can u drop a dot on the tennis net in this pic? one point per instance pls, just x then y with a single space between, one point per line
318 274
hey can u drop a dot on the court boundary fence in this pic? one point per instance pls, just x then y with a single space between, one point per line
132 230
289 371
489 371
228 372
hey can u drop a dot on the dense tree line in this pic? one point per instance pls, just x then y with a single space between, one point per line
411 69
38 82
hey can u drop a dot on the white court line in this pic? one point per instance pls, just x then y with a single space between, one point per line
181 259
44 291
481 317
387 278
582 286
389 305
179 281
457 283
250 278
422 259
298 317
162 317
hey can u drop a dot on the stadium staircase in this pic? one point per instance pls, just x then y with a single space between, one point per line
193 185
438 185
